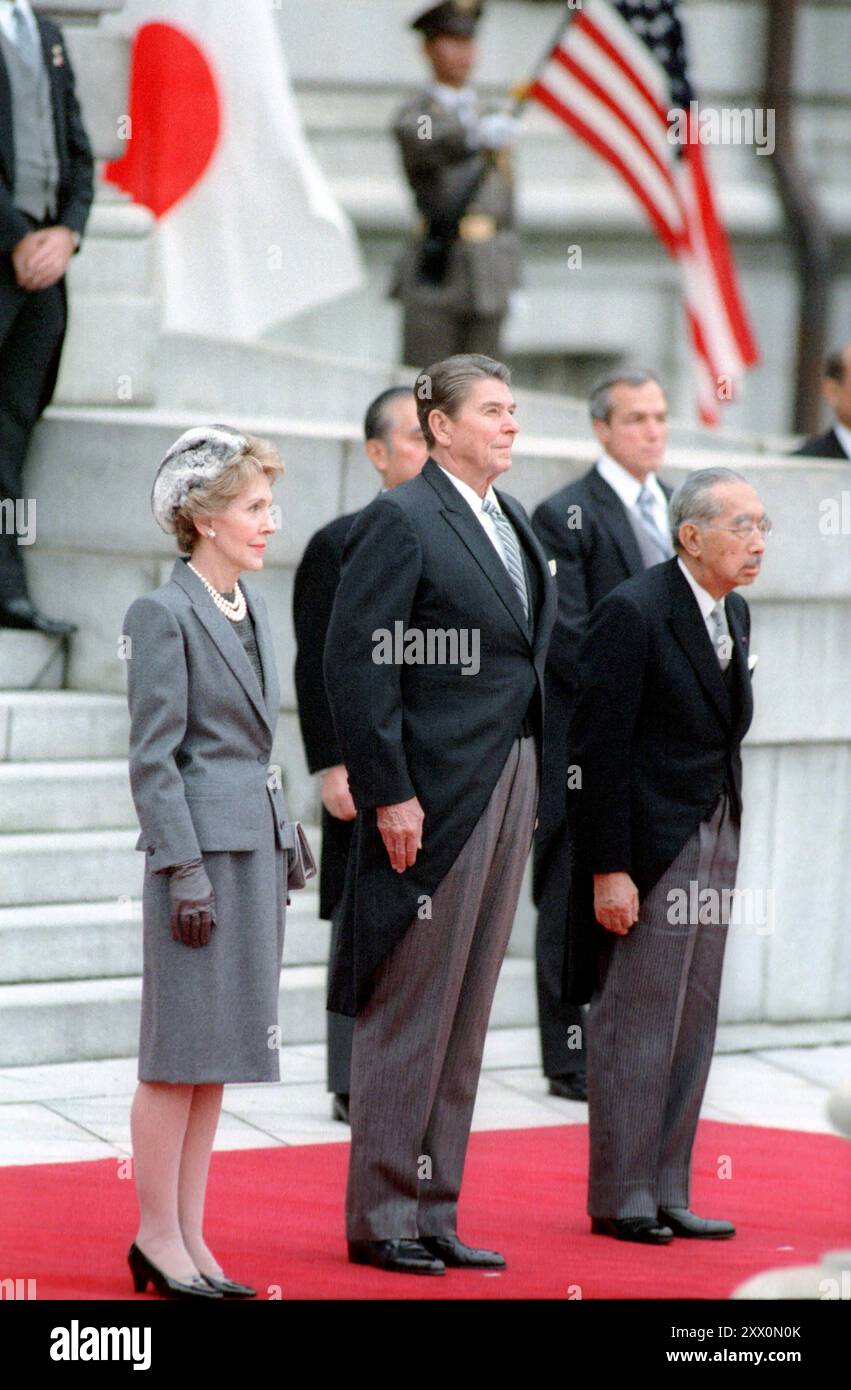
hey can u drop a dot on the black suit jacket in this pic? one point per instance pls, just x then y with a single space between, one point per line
656 732
584 527
419 557
821 446
76 169
314 590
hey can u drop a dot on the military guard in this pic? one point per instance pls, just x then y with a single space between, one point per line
459 269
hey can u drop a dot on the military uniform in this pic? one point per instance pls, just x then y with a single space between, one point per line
437 136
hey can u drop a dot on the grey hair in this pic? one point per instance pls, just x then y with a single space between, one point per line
600 399
694 499
446 385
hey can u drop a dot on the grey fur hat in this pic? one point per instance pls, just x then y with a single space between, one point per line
197 457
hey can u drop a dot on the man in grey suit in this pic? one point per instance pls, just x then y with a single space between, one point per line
434 667
664 703
461 265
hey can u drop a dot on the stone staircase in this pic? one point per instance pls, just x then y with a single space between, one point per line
70 883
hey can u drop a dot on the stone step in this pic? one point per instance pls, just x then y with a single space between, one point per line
83 1020
69 866
41 724
66 795
31 660
101 940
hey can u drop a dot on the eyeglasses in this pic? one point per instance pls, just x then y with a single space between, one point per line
745 532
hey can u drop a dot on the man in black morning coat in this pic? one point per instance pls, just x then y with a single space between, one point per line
46 190
395 447
664 703
602 529
434 667
835 443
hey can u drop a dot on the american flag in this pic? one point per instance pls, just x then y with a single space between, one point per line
614 75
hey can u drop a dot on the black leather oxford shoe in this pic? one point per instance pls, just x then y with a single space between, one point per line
684 1223
456 1255
571 1086
396 1256
642 1229
22 613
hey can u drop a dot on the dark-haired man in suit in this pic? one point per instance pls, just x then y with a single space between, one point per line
835 443
664 703
396 449
602 529
46 190
434 667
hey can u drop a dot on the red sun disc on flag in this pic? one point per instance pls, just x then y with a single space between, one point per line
175 119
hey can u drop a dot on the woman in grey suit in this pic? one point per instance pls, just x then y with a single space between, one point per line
204 700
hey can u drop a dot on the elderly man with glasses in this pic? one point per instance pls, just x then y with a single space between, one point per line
665 701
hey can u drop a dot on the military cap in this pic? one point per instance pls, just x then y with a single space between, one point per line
452 17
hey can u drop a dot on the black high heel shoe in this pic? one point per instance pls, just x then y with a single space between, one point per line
144 1273
229 1288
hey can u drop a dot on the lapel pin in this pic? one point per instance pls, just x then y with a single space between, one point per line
58 55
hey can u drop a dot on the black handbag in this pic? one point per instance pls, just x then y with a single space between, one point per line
302 865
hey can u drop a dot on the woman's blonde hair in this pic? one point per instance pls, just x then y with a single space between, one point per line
207 499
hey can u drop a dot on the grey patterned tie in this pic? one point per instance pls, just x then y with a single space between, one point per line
647 514
26 41
721 640
512 559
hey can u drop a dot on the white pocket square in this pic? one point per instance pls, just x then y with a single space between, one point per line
752 660
553 564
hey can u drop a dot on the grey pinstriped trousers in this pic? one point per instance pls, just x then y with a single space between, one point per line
651 1033
417 1047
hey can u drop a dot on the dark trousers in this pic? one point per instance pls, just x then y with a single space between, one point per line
562 1026
340 1028
430 335
652 1033
31 328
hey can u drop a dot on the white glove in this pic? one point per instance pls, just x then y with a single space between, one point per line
497 130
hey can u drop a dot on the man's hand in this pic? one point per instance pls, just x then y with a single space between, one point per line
401 828
41 258
615 902
336 797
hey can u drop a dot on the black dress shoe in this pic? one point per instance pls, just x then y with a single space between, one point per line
642 1229
144 1273
22 613
571 1086
340 1108
684 1223
397 1256
456 1255
229 1288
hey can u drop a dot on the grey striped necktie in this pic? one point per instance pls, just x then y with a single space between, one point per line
647 513
721 639
510 548
26 41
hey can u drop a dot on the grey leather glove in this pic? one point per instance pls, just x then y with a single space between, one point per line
193 904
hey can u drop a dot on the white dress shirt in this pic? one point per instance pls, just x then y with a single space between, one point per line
474 502
843 434
628 487
706 603
7 23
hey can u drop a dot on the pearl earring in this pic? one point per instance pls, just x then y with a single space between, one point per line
211 532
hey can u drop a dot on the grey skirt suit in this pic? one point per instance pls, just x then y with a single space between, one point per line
201 738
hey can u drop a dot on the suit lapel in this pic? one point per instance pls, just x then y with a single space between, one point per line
7 142
690 630
613 517
471 532
743 699
223 635
262 632
535 560
47 46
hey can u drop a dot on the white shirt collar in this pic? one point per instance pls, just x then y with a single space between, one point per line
6 7
469 494
705 601
843 434
453 97
626 486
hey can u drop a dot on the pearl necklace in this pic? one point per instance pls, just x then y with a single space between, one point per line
235 609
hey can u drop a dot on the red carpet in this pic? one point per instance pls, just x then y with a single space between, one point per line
276 1219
